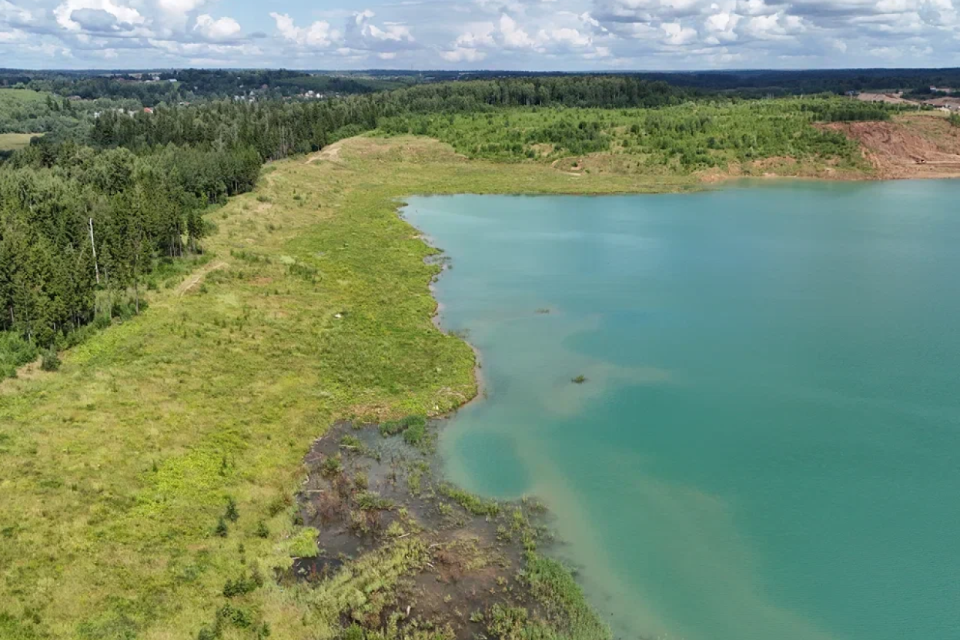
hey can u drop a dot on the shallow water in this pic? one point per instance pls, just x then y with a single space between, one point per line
768 442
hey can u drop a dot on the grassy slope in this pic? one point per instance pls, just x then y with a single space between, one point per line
750 137
14 141
14 96
114 471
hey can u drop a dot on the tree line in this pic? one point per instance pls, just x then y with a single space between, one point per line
81 230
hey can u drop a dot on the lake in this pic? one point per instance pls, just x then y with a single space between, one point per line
767 443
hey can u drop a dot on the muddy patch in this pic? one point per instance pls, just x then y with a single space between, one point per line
376 489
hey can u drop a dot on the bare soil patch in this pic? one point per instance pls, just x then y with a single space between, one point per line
915 146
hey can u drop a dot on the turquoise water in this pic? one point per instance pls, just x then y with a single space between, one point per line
768 442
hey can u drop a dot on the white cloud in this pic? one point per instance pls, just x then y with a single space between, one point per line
565 33
221 29
368 34
721 27
319 34
513 36
462 54
123 14
565 36
598 53
754 8
11 13
179 7
676 34
777 26
478 35
14 35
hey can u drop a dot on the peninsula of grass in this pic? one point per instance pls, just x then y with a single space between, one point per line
117 470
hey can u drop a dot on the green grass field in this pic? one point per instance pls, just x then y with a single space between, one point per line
14 141
313 305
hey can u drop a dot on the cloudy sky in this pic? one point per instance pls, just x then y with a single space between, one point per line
479 34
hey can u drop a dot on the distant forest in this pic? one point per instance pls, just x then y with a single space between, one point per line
199 84
116 188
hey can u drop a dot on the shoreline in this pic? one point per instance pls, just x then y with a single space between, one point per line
444 264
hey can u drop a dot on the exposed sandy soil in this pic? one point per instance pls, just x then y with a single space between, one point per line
890 98
914 146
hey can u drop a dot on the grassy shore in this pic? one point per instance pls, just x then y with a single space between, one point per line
312 305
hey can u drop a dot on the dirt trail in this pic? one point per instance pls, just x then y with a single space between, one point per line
198 277
330 153
917 146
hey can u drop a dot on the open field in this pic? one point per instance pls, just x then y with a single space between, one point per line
14 141
116 470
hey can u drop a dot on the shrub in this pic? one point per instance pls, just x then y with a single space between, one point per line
221 529
371 501
331 467
243 585
231 513
14 353
395 427
351 442
474 504
415 433
304 544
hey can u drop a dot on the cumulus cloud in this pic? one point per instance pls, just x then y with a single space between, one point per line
175 14
221 29
507 34
319 34
774 27
676 34
362 34
13 14
513 36
68 12
721 27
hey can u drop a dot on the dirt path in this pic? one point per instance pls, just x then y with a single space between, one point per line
198 277
330 153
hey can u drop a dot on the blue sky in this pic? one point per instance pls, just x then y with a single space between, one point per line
569 35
